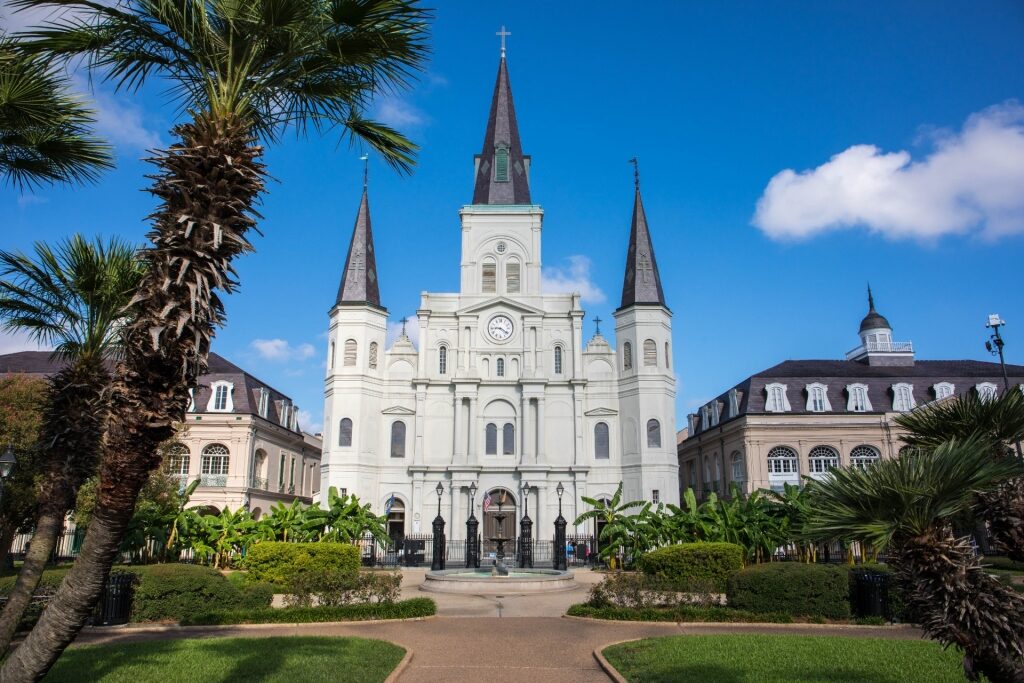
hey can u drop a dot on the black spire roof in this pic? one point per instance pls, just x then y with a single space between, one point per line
642 283
501 167
873 320
359 279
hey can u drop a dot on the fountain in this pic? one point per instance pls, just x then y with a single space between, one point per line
499 568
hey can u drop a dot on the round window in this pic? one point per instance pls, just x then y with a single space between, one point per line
501 247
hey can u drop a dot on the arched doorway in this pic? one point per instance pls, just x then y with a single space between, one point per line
396 521
499 519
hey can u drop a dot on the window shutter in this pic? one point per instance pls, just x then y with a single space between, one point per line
491 445
345 433
508 439
601 441
650 353
373 355
442 360
558 360
512 277
653 434
501 165
350 353
489 283
398 440
627 356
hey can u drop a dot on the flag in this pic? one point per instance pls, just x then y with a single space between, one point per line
487 501
387 507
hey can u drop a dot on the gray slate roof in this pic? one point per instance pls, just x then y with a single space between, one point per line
359 278
246 387
502 131
836 374
642 282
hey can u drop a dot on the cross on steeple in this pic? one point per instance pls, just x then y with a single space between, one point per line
597 324
403 325
503 33
636 172
366 169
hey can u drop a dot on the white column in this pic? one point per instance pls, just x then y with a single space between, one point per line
458 455
474 429
541 456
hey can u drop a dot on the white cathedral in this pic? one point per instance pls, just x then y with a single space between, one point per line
500 388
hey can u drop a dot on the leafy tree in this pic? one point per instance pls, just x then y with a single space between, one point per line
45 131
223 536
284 523
72 296
242 70
907 504
1000 419
22 399
345 520
614 539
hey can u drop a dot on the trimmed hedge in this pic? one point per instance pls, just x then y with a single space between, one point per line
694 566
803 590
278 562
682 614
51 578
174 591
406 609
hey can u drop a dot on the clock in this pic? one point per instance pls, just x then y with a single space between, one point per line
500 328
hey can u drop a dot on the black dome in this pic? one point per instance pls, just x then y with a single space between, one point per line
873 320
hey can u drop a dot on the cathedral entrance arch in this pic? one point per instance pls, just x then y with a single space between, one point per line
502 507
396 520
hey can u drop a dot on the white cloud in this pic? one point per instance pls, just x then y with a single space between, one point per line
12 342
571 278
398 113
280 350
412 330
969 183
27 200
14 22
118 120
312 424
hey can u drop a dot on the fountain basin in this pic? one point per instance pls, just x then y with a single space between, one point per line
481 582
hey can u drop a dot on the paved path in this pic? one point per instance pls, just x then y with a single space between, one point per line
474 637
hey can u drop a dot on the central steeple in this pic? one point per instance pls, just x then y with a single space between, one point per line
642 282
502 170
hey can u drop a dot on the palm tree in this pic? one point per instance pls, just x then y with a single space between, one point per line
44 129
73 297
1001 419
242 70
792 509
613 514
907 505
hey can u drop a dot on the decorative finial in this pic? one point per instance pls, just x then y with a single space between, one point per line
636 172
503 33
403 325
597 325
366 169
871 299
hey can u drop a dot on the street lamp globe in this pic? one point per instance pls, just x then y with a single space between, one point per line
440 490
7 462
472 491
560 490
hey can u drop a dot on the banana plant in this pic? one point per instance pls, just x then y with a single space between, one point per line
613 514
225 535
344 519
285 523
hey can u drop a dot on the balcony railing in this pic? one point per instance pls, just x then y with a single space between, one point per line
220 480
880 347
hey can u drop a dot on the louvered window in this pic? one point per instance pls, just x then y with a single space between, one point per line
512 277
668 357
627 356
653 434
397 439
508 439
345 433
558 360
489 283
373 355
350 353
601 441
491 440
501 165
650 353
442 360
500 367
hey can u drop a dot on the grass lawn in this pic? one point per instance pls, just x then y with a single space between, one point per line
224 660
784 659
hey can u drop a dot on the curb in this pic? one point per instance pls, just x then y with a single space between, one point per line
606 666
402 666
769 625
170 628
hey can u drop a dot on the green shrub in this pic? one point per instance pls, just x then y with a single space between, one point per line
805 590
278 562
406 609
999 562
51 579
694 566
681 613
174 591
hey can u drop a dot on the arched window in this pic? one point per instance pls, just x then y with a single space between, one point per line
350 353
653 434
627 356
558 360
821 459
903 397
863 456
857 398
817 398
512 277
330 360
489 277
442 360
508 439
776 401
783 463
214 465
345 433
499 367
601 441
398 439
986 391
220 397
491 439
668 357
739 470
177 460
943 390
501 165
650 353
373 356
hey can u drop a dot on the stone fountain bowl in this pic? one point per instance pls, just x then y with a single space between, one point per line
481 582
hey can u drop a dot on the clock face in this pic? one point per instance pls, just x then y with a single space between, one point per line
500 327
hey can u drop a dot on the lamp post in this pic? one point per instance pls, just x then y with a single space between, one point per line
995 345
526 530
560 559
472 536
437 561
7 462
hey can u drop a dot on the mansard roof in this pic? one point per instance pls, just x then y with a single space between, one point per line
502 134
359 284
642 282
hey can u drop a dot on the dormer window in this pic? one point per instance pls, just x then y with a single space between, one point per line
857 400
776 401
715 412
817 398
734 403
986 391
903 397
705 418
220 397
192 400
943 390
262 402
501 165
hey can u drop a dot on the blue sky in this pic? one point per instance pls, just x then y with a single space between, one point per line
901 123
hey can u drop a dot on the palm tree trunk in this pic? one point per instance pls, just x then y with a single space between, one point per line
208 184
44 539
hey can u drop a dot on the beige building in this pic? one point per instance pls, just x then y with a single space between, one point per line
802 418
242 439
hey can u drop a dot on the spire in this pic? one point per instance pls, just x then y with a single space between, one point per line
642 283
359 279
502 170
873 320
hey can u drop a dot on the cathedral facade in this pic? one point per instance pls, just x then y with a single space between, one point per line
500 390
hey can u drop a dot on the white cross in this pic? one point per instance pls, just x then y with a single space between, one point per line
503 33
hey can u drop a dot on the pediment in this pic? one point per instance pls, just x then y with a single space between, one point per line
504 302
601 412
398 410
